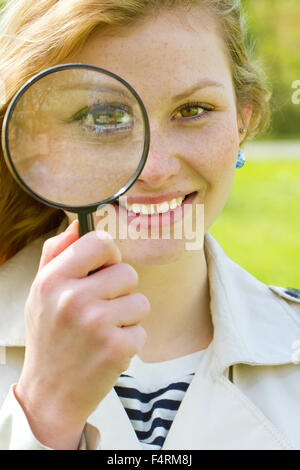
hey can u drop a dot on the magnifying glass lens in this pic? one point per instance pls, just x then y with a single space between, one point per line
76 136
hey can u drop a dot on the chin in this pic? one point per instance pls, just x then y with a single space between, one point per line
151 252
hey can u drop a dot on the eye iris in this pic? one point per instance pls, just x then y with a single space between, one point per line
190 111
89 119
106 119
107 116
120 116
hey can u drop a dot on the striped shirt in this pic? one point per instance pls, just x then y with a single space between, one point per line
151 393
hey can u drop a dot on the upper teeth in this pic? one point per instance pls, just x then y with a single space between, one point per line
147 209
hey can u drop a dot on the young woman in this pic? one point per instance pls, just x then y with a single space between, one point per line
162 347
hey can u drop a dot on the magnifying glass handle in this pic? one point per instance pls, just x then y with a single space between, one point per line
86 223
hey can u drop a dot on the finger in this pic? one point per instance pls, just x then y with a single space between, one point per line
127 310
110 282
92 251
56 245
136 337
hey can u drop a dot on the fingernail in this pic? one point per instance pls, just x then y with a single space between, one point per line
70 228
103 235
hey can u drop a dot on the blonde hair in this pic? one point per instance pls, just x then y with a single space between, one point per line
35 35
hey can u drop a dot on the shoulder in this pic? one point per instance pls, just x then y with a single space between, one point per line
271 381
289 298
274 390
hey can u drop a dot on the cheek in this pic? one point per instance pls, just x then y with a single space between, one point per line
211 150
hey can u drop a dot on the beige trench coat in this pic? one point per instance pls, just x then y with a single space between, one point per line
249 398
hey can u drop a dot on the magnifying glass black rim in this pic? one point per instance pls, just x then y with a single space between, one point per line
89 207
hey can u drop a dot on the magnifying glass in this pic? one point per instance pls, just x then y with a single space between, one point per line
76 137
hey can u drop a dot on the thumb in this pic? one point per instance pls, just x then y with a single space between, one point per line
55 245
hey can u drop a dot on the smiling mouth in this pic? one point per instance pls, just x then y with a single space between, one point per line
162 207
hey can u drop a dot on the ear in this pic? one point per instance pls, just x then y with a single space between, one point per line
244 117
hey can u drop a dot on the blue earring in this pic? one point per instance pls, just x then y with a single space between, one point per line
240 159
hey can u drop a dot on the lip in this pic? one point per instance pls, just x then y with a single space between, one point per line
154 199
156 221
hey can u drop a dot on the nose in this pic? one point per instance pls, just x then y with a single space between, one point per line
161 165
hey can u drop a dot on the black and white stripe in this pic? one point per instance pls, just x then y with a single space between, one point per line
151 413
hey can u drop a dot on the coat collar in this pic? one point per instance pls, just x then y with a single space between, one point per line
249 319
252 325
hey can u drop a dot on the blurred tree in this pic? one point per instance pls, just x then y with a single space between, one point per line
274 36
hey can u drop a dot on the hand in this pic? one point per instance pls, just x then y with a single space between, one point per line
82 332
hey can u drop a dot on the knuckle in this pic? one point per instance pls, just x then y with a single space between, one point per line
141 301
119 347
116 346
89 328
101 239
94 321
136 340
129 274
142 336
119 362
43 283
113 351
49 245
67 303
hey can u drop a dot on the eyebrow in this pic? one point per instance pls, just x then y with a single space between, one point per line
206 83
198 86
100 88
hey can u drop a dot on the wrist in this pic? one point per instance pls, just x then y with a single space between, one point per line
49 421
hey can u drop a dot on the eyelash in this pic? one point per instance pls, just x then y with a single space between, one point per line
190 105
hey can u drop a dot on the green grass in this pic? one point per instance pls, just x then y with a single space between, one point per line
259 227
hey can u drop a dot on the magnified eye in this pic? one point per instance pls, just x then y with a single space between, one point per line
105 118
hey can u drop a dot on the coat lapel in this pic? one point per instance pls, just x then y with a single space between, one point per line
215 415
116 430
248 317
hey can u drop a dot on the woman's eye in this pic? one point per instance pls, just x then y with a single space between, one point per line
105 119
191 111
